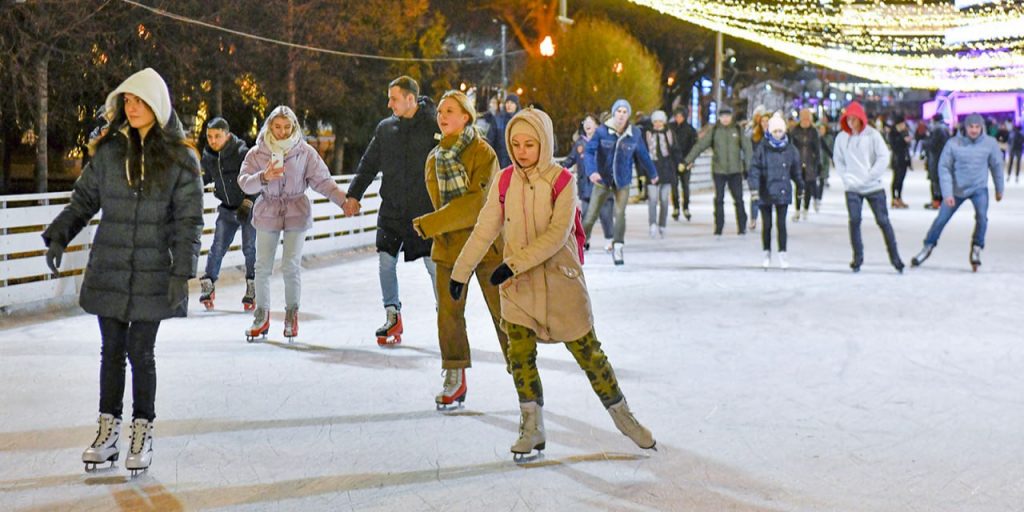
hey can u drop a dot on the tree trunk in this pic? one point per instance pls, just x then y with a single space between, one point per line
339 149
292 58
42 114
218 97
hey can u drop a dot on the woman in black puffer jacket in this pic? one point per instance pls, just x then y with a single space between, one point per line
145 179
775 166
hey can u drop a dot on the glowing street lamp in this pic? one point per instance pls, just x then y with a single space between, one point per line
547 47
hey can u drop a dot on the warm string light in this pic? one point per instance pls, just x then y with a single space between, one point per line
901 44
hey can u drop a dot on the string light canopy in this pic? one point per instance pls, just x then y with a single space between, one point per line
920 44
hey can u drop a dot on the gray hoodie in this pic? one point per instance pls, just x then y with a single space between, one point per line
861 160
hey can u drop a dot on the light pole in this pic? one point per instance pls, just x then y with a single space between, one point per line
504 70
717 86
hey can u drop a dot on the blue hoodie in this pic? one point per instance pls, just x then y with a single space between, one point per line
964 162
612 155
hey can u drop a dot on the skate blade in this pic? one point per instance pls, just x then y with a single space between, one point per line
135 473
389 342
523 459
455 406
94 467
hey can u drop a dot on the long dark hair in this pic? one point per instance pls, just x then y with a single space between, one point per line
160 151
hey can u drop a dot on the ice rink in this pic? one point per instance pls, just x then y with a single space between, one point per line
812 389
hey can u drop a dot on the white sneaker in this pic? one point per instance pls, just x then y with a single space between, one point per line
661 231
783 264
767 261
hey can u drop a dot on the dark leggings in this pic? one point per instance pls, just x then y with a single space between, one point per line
766 223
809 192
899 173
1014 156
136 341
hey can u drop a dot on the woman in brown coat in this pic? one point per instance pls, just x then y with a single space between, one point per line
457 172
543 293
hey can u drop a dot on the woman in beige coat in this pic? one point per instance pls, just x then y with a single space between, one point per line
543 293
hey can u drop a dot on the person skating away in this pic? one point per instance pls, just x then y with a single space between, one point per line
1015 150
575 162
774 168
496 134
457 173
938 135
145 179
609 158
398 151
543 291
805 138
828 142
221 163
861 159
758 134
661 146
686 137
731 157
899 144
962 169
280 168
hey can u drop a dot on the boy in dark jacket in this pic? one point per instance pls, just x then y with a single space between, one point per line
222 160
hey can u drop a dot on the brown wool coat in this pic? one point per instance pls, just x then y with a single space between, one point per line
450 225
547 292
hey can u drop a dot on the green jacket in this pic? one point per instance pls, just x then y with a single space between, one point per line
732 149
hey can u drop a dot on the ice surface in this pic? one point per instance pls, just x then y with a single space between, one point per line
809 389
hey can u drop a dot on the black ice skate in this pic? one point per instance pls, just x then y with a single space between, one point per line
975 257
260 325
208 293
390 333
104 448
453 394
249 299
530 445
926 251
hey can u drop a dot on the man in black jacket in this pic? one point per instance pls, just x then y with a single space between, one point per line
221 162
398 151
686 137
938 134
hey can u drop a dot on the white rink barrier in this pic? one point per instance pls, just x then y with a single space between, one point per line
25 278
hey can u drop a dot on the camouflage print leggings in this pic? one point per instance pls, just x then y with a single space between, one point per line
522 357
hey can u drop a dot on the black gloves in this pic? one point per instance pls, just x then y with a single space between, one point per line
501 274
54 253
243 211
177 291
455 289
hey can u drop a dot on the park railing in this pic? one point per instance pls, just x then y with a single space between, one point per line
25 278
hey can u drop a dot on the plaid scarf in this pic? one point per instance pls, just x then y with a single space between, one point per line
452 179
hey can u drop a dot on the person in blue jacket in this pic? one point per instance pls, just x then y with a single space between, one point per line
583 184
774 167
608 160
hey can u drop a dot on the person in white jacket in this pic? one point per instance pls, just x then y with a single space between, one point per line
861 159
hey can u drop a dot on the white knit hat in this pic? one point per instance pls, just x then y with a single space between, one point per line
659 115
150 86
776 123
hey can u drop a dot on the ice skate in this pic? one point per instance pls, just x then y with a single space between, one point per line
753 225
653 231
249 299
291 323
608 245
675 214
104 448
208 292
796 216
926 251
260 325
855 265
686 213
783 264
454 392
630 427
805 214
140 455
661 232
767 261
975 257
617 253
817 205
531 434
390 333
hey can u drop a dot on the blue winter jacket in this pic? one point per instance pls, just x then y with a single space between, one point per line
773 172
963 164
612 156
583 185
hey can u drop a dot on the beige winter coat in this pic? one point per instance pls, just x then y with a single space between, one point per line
547 292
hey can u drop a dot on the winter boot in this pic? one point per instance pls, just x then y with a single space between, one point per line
208 292
926 251
140 455
104 447
531 432
291 323
260 325
249 299
617 248
686 213
783 264
391 332
454 392
975 257
767 261
629 426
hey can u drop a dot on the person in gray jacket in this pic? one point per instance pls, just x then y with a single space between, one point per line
861 159
962 168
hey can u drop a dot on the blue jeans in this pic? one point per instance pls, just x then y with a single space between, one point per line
227 225
980 201
876 200
387 266
605 215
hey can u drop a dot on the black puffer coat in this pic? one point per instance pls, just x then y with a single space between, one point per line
222 168
144 237
808 143
398 151
773 172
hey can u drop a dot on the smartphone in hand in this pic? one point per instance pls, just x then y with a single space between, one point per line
276 160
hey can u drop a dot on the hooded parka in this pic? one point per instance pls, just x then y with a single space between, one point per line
547 292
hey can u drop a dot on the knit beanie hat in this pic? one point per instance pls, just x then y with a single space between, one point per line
974 119
776 123
622 103
659 115
151 88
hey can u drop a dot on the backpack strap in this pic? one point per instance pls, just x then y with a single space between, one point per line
504 181
561 182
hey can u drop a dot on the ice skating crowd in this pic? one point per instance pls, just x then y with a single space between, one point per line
470 195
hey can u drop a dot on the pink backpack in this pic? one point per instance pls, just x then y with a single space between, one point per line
560 183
